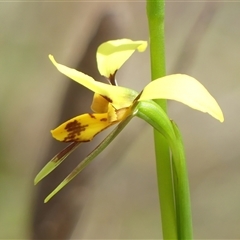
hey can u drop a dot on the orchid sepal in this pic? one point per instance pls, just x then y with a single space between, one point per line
185 89
119 97
111 55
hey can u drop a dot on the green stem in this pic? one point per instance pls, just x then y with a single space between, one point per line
158 119
155 13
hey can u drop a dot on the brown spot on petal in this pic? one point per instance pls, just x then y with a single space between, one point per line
74 130
103 119
92 116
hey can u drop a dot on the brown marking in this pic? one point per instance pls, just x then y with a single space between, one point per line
103 119
65 151
112 79
74 130
107 98
137 97
92 116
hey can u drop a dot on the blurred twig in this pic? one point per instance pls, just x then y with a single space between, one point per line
189 50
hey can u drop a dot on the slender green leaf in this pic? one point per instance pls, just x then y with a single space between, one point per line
55 161
182 191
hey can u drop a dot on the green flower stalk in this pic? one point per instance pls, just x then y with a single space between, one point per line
155 14
169 194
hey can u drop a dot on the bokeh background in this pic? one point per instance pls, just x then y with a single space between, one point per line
116 196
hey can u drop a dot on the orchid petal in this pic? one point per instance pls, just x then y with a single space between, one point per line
113 54
119 97
185 89
82 128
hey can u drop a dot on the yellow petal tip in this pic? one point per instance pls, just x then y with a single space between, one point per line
221 117
143 46
50 56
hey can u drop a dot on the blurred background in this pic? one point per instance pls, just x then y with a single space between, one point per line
116 196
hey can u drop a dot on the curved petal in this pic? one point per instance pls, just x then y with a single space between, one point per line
112 55
119 97
185 89
82 128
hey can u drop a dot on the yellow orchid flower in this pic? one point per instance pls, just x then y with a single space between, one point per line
112 104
